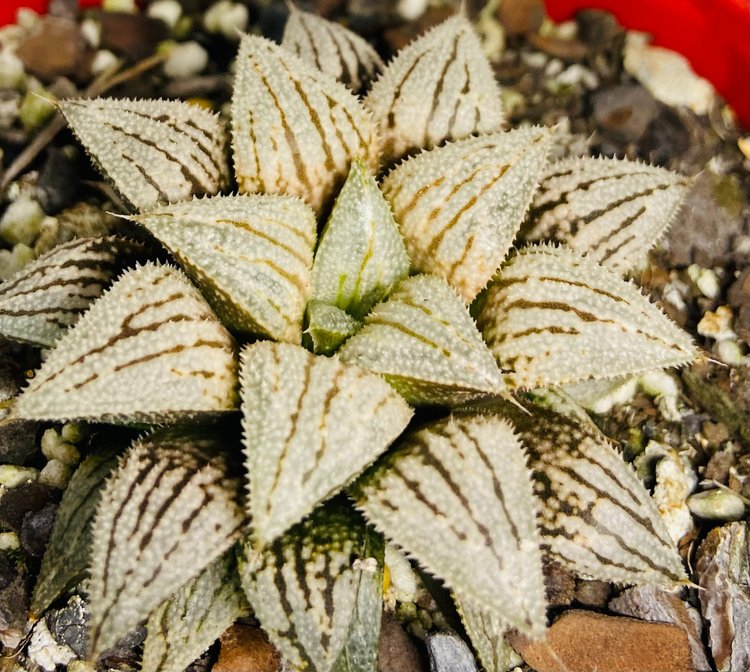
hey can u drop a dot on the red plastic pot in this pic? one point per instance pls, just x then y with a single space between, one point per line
714 35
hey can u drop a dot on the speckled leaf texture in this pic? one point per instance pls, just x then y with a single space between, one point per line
328 327
332 48
316 589
149 350
441 87
40 302
486 630
553 317
167 512
424 342
612 210
459 207
361 254
311 425
250 255
66 559
153 151
463 483
597 517
186 624
295 129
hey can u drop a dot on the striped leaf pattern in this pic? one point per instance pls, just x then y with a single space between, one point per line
424 342
250 255
148 351
610 209
186 624
596 516
553 317
459 207
295 129
463 483
168 511
67 557
49 294
328 327
361 254
153 151
486 630
311 425
314 585
331 48
441 87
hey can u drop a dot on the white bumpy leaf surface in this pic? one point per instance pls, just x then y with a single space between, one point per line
149 350
153 151
168 511
441 87
553 317
328 327
295 129
332 48
424 342
306 590
460 206
311 425
361 254
250 255
48 295
486 630
612 210
460 489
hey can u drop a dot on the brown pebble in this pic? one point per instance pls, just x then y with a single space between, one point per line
134 36
396 650
520 17
53 49
719 465
245 648
559 584
715 433
592 593
586 641
567 50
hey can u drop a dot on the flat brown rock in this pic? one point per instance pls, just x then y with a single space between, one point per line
584 641
53 49
245 648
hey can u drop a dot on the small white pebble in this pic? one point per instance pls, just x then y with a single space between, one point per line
12 72
717 504
717 324
56 474
21 221
730 353
185 60
411 10
27 18
403 585
45 651
554 67
226 17
663 388
578 74
12 261
72 432
91 31
534 59
11 475
369 565
9 541
50 439
705 280
128 6
168 11
103 60
675 480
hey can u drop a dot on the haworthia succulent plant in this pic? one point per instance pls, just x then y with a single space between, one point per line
486 630
328 327
150 350
250 255
311 425
154 151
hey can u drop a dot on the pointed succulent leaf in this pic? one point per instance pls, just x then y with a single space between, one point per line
149 350
186 624
312 424
459 207
610 209
464 481
66 559
361 254
486 630
295 129
48 295
317 591
441 87
153 151
250 255
328 327
597 517
553 317
169 498
331 48
424 342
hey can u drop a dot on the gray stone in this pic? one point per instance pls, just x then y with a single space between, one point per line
625 110
36 528
69 625
449 653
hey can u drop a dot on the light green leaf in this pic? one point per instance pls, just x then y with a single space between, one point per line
331 48
40 302
486 630
361 254
553 317
317 591
312 424
186 624
149 350
295 130
441 87
423 340
250 255
66 559
460 206
613 210
167 512
329 327
463 483
154 151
